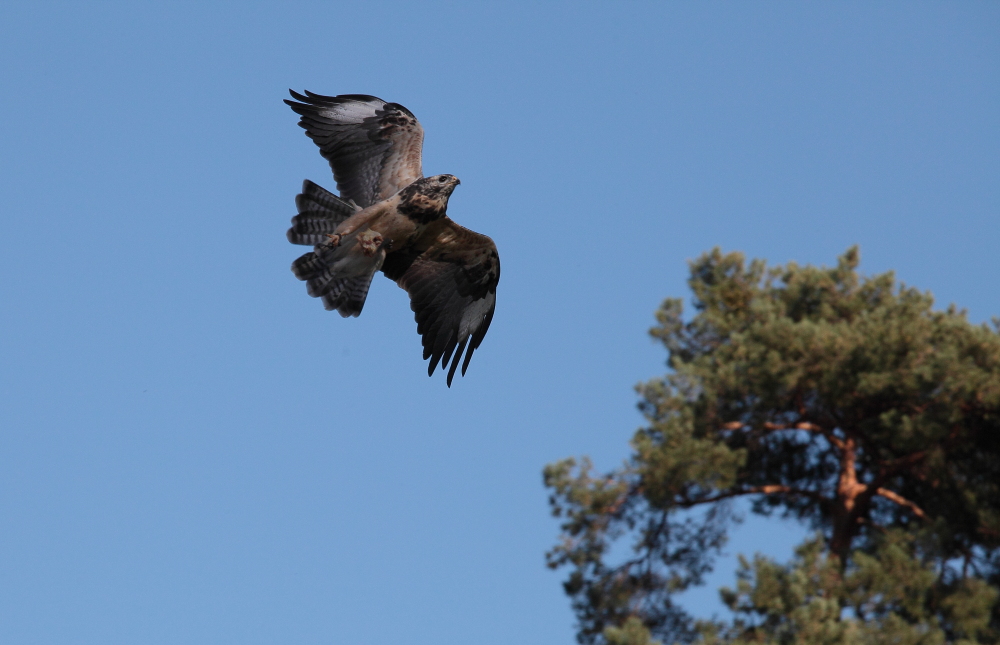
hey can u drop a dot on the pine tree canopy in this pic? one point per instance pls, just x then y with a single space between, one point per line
845 402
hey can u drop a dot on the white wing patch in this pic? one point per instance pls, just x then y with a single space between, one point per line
474 314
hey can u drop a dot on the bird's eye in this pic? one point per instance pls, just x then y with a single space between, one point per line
442 179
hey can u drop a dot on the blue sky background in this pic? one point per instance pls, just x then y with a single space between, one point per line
193 451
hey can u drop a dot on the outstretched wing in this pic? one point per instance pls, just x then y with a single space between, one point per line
451 274
373 146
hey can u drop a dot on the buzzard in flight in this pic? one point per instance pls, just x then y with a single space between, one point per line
390 217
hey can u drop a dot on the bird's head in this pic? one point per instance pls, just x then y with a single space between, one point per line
426 199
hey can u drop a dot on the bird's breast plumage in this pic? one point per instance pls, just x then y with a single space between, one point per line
423 202
421 209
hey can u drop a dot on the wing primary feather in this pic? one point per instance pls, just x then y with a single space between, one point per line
361 98
449 348
484 326
477 338
439 345
454 363
321 97
434 356
468 357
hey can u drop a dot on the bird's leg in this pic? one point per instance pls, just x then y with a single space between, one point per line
334 240
346 228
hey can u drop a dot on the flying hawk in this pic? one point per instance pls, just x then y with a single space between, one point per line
390 217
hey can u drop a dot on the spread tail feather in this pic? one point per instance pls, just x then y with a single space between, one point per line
349 295
340 275
320 212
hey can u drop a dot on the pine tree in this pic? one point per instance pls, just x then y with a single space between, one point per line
845 402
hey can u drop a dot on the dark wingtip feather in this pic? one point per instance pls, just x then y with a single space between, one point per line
442 340
433 365
321 97
362 98
468 357
454 363
448 349
477 338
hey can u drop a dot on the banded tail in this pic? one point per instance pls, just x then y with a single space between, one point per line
339 274
320 212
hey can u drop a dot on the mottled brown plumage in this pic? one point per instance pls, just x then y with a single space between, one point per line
390 217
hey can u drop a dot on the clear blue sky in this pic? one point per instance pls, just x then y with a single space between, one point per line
193 451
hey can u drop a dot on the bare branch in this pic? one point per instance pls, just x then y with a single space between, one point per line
902 463
834 440
768 489
902 501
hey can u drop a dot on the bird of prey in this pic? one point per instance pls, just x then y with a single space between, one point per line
390 217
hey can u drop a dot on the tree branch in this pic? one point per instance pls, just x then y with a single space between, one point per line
892 467
616 505
834 440
902 501
768 489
